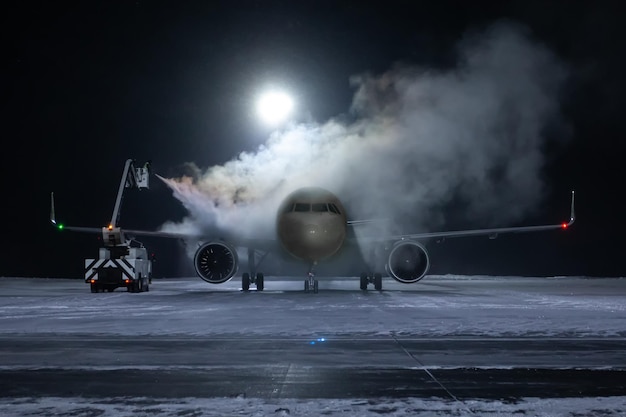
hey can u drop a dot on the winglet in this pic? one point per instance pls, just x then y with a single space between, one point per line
572 215
53 219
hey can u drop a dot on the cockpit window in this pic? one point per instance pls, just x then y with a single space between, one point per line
301 207
333 208
319 207
315 207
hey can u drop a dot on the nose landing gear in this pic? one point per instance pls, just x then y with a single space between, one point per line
311 284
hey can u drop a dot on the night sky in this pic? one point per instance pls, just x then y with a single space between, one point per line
90 84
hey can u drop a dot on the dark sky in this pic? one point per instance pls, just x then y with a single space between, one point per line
90 84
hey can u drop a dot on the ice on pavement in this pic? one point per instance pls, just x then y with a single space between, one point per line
220 407
436 306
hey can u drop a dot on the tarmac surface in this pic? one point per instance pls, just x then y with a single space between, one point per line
344 368
550 338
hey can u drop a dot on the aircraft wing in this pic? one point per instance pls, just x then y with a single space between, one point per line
256 243
98 230
261 244
492 233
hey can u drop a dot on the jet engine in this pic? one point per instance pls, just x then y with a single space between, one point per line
216 262
407 262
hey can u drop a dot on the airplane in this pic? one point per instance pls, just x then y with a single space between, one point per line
312 226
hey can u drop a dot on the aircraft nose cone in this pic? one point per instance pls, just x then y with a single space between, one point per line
312 230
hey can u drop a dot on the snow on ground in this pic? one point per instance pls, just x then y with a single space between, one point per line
436 306
221 407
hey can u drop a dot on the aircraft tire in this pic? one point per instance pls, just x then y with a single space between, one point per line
315 287
378 282
364 282
260 282
245 281
306 285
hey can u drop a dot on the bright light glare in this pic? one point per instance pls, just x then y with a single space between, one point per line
274 107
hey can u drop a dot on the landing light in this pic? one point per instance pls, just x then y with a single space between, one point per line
110 227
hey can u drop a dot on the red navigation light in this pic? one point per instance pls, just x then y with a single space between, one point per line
564 226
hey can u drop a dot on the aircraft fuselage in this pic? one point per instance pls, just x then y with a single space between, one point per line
311 224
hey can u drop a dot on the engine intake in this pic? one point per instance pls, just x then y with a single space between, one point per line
216 262
408 262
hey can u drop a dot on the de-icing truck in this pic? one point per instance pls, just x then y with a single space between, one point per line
121 262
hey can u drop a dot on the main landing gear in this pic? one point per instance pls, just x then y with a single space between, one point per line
257 279
377 280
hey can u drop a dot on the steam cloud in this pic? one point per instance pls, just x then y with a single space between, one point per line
421 138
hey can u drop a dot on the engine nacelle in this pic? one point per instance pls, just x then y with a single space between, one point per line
407 262
216 262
